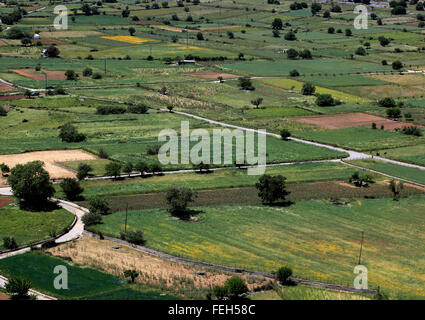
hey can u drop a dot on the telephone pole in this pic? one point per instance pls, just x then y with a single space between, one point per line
361 248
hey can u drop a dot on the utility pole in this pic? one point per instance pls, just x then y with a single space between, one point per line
361 248
105 65
126 215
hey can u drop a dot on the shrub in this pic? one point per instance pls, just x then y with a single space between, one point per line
71 188
31 183
245 83
134 237
104 110
3 112
18 287
153 150
412 130
236 286
387 102
283 274
4 168
91 218
220 292
325 100
397 65
178 199
141 167
96 76
360 51
199 36
138 108
294 73
87 72
103 154
285 134
394 113
10 243
52 52
132 274
292 54
71 75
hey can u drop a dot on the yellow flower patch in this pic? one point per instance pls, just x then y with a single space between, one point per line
127 39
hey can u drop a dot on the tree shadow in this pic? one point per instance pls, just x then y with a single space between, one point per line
286 203
38 206
188 215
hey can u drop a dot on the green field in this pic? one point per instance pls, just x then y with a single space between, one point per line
83 283
228 178
264 238
31 226
403 172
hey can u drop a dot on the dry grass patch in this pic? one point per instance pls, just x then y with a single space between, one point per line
153 271
39 75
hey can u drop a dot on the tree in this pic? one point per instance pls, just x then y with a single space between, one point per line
131 31
26 41
325 100
141 167
397 65
394 113
99 205
52 51
290 36
384 41
113 169
387 102
139 108
257 102
396 187
91 218
220 292
283 274
87 72
71 188
276 33
69 133
245 83
348 32
128 168
83 171
125 13
294 73
3 112
178 199
71 75
331 30
360 51
285 134
31 183
277 24
132 274
326 14
199 36
271 188
18 287
305 54
308 89
236 286
292 54
398 10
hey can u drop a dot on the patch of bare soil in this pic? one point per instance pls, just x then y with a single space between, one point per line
346 120
50 159
212 75
39 75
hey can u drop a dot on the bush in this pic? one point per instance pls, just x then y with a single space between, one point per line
18 287
87 72
104 110
290 36
3 112
71 188
134 237
220 292
52 52
271 188
138 108
236 286
91 218
412 130
245 83
397 65
141 167
71 75
360 51
199 36
177 199
283 274
10 243
394 113
69 133
292 54
99 205
96 76
31 183
103 154
294 73
285 134
387 102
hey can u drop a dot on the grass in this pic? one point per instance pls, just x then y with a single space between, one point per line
414 154
265 238
97 165
411 174
361 138
32 226
84 283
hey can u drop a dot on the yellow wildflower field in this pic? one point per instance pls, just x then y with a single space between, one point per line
127 39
